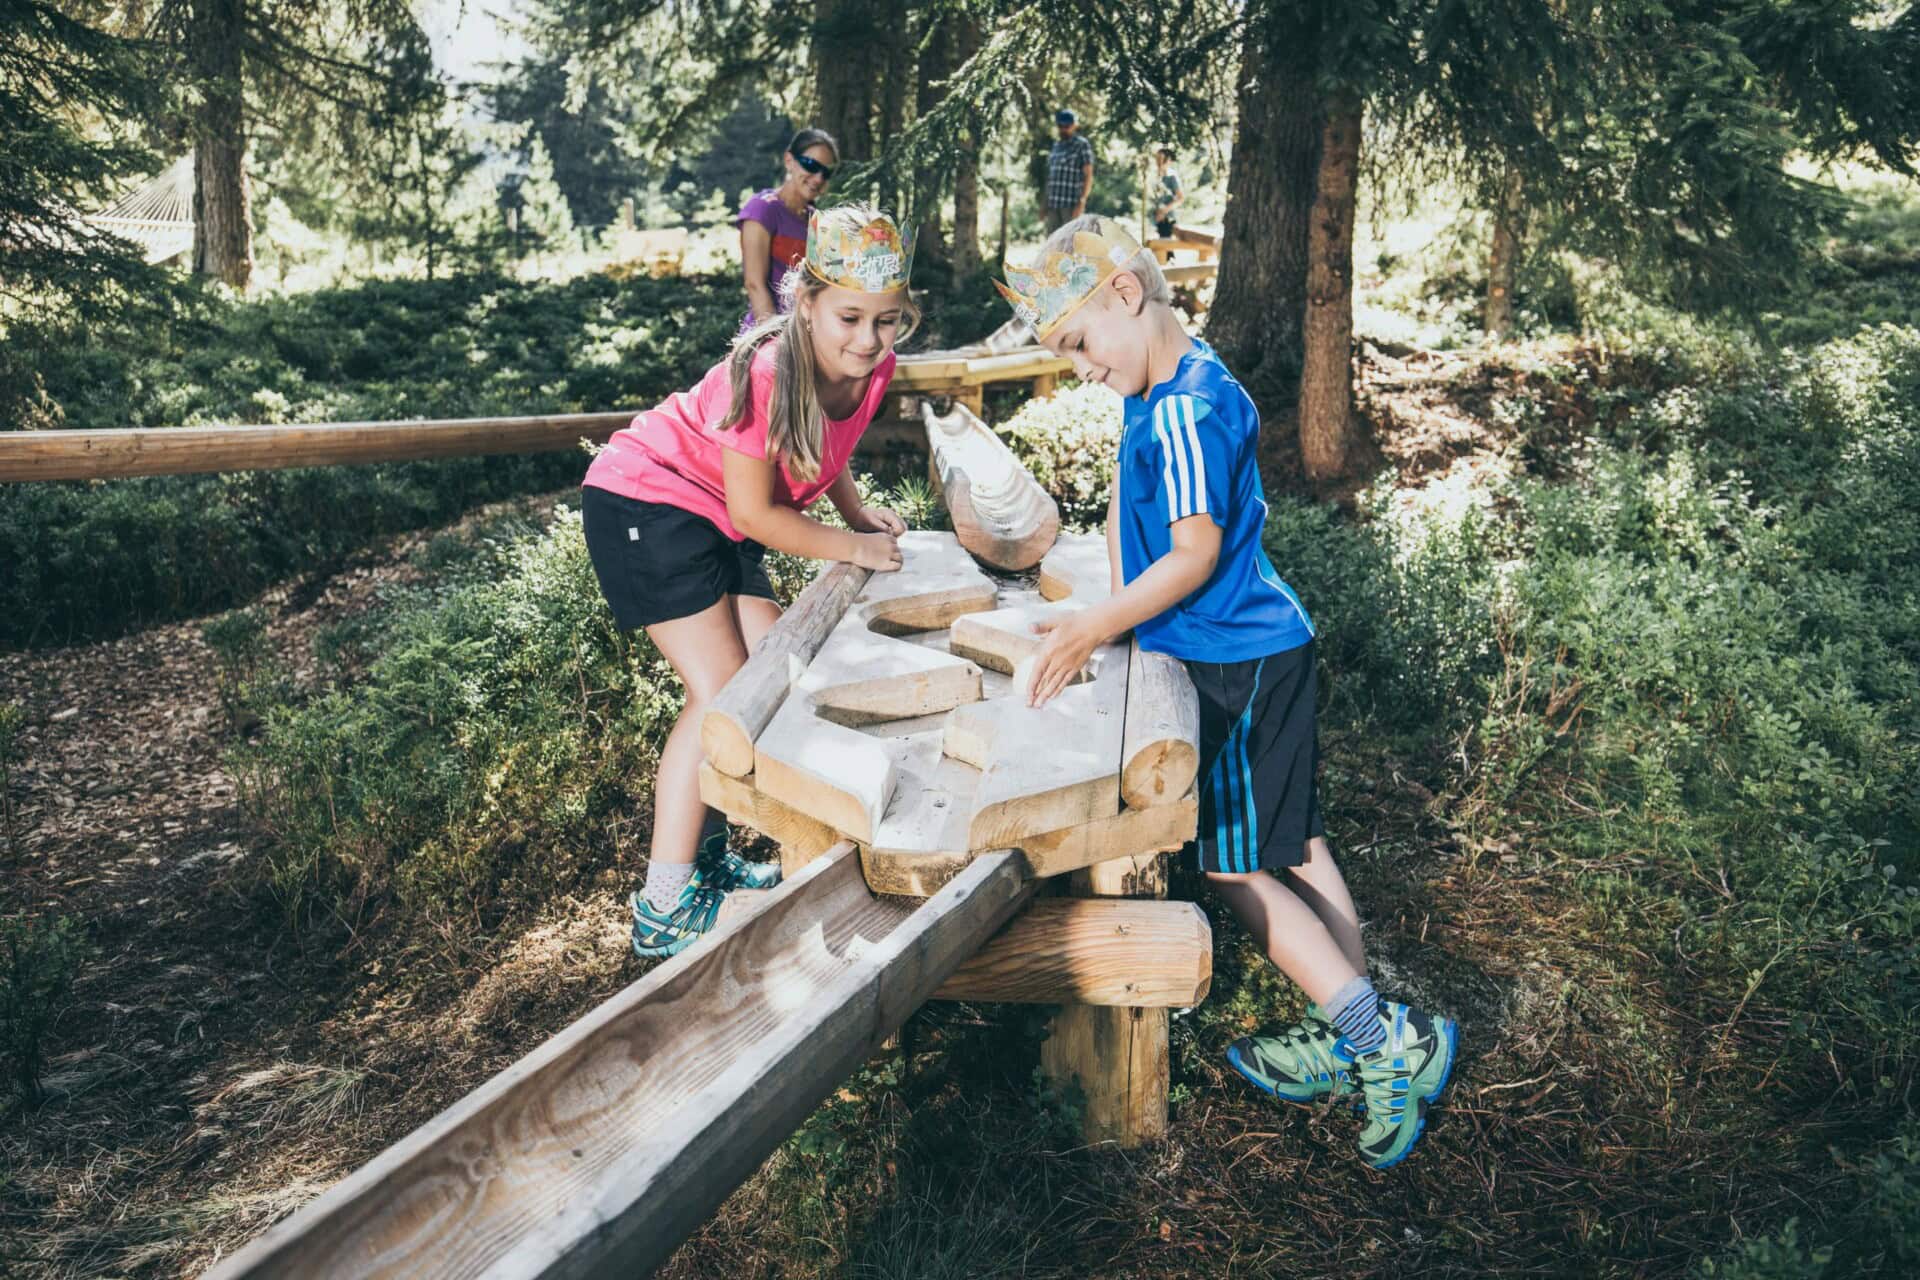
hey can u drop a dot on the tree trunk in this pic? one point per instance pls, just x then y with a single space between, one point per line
1328 434
1260 299
843 74
929 194
897 72
966 173
222 204
1503 258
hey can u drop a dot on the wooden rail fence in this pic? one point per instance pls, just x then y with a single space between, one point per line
115 453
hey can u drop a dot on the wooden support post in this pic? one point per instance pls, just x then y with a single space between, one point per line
1043 386
1118 1056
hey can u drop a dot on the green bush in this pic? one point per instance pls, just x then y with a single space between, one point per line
89 560
494 723
1070 442
41 957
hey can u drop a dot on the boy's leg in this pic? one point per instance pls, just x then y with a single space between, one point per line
1318 883
1293 935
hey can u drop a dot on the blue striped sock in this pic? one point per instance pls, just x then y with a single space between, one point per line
1355 1013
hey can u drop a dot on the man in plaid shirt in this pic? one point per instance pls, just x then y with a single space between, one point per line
1069 173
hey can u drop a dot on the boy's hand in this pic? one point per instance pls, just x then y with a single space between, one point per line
1070 642
877 520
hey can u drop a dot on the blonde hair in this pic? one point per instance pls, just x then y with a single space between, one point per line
1153 284
796 424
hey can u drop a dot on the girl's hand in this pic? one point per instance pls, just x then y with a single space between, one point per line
877 520
877 551
1070 642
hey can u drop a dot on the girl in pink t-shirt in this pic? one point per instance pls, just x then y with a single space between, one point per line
681 505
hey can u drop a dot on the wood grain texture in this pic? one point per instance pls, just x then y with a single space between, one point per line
1000 512
599 1152
1161 829
1098 951
801 838
747 702
807 757
1044 768
118 452
1077 566
1160 753
1117 1056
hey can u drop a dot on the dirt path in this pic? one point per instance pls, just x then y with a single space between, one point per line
209 1073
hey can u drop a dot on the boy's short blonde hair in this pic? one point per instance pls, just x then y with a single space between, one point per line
1143 265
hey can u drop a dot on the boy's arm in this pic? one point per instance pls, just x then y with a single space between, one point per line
1113 536
1169 580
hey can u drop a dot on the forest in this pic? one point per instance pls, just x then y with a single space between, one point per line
1585 342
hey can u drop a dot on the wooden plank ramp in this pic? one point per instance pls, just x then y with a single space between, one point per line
599 1152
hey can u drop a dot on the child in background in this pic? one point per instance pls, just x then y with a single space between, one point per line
1191 579
681 505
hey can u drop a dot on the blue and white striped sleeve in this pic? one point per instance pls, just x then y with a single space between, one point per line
1196 460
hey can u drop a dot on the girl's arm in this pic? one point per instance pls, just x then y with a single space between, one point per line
751 508
844 493
756 248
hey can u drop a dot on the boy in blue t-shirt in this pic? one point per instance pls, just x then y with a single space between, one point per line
1191 579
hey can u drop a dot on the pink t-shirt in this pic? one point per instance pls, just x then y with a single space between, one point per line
671 454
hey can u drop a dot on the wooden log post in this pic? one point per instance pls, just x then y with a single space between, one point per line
743 707
1118 1056
1160 754
169 451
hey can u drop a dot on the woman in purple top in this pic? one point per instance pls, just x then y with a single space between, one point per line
773 224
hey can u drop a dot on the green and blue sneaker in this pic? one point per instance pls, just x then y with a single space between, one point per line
665 933
1401 1079
1299 1064
718 867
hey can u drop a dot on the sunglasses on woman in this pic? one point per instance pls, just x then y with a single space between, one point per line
814 166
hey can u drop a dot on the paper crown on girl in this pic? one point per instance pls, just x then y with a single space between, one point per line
1052 289
875 258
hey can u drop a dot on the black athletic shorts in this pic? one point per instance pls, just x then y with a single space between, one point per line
1258 755
657 562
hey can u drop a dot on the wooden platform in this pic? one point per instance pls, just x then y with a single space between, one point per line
907 730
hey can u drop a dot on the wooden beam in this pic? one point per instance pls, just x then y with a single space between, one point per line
604 1148
1161 829
1118 1057
1161 752
1190 272
1096 951
747 701
806 756
110 454
1000 512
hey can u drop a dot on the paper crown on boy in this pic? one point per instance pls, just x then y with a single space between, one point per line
875 258
1053 288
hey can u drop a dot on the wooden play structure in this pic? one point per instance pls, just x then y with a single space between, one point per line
941 840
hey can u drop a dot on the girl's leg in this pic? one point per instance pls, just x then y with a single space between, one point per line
1318 883
705 648
753 615
1295 937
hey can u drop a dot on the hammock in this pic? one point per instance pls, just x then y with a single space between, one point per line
158 216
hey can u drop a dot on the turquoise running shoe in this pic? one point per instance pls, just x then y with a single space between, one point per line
1401 1079
718 867
658 933
1300 1064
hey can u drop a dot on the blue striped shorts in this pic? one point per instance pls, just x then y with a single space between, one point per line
1258 755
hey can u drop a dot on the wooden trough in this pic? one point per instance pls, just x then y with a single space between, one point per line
1000 513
